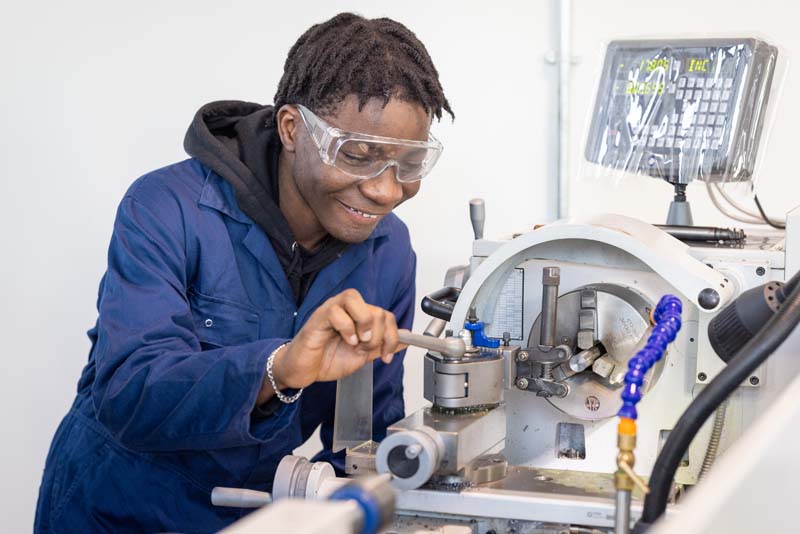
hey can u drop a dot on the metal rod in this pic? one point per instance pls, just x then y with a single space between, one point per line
551 276
584 359
435 327
239 498
452 347
622 518
702 233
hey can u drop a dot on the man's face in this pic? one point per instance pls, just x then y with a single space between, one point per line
349 208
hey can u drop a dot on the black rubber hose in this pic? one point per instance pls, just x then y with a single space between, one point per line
788 287
749 357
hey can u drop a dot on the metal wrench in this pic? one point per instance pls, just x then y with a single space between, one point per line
452 347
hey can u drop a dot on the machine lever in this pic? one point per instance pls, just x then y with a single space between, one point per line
477 216
634 477
452 347
441 302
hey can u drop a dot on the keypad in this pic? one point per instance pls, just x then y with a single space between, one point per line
699 117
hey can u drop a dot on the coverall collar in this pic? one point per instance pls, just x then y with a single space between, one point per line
218 194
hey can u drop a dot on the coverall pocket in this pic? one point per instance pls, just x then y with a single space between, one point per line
222 323
75 463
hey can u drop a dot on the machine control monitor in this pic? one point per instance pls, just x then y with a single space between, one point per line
682 109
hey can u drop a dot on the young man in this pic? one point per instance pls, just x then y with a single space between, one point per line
242 282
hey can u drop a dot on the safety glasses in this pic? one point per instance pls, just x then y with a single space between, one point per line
366 156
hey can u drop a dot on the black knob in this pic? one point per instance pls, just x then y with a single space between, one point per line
708 298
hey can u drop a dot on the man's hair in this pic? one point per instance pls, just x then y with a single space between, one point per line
348 54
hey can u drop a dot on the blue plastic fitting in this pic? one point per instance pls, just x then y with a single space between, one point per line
667 316
479 338
369 506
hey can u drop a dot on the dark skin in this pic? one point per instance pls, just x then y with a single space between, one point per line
344 333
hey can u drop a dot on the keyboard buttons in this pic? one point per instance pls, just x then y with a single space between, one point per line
713 107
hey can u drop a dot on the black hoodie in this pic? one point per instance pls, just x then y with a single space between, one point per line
239 141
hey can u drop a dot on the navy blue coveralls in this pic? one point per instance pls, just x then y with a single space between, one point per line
193 302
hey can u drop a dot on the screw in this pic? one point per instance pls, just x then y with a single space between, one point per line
754 380
702 377
564 340
522 356
592 403
522 383
760 271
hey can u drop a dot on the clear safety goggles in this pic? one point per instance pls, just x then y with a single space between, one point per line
366 156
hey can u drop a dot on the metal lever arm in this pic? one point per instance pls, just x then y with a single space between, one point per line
452 347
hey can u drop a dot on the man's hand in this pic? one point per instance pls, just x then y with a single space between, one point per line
342 335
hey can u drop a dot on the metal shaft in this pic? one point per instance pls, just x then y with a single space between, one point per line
452 347
622 519
551 277
584 359
239 498
702 233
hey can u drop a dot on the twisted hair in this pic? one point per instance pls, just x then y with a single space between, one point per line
370 58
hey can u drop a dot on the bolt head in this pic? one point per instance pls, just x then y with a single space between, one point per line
702 377
551 276
760 271
754 380
522 383
522 356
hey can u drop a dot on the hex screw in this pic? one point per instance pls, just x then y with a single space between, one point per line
760 271
522 383
754 380
702 377
522 356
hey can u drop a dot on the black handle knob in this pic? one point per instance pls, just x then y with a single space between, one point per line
441 302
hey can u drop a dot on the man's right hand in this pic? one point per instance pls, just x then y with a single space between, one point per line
342 335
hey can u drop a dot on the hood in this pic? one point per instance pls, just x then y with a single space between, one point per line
238 141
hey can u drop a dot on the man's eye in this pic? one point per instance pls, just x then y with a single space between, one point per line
354 158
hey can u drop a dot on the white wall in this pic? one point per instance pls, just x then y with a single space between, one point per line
96 93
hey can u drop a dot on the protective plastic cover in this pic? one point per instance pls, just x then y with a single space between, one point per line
680 109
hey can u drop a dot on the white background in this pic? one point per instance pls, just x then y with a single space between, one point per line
94 94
